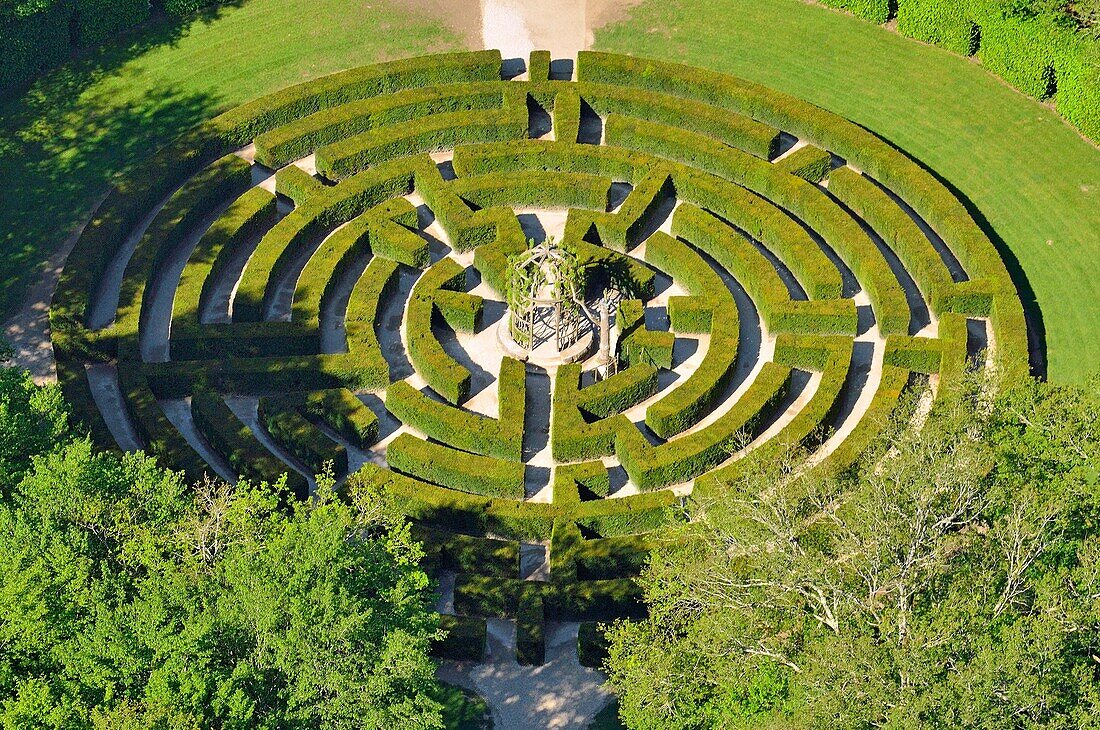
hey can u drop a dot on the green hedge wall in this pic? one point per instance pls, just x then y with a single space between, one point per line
344 413
443 373
464 640
498 437
456 469
284 420
232 439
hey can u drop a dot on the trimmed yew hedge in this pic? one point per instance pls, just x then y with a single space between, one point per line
456 469
443 373
344 413
284 419
691 455
464 640
430 134
250 214
301 137
232 439
498 437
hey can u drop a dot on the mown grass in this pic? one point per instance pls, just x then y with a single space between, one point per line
1032 177
61 142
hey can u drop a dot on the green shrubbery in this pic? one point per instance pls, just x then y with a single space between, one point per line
456 469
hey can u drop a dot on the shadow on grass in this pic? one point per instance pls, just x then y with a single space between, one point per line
62 140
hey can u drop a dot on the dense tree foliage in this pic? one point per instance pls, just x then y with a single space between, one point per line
953 581
130 599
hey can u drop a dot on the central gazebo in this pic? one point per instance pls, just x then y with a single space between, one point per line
548 321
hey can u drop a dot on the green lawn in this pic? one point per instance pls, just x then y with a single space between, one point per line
1031 175
60 143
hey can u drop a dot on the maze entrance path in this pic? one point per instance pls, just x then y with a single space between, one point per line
314 278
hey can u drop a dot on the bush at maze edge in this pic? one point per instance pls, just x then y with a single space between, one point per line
709 138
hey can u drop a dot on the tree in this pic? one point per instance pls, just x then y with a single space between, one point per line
130 599
950 580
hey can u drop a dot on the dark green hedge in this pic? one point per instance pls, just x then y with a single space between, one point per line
468 554
442 372
344 413
591 645
232 439
33 38
456 469
530 626
250 214
284 420
464 640
500 437
687 457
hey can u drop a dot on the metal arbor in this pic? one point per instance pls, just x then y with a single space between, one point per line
546 296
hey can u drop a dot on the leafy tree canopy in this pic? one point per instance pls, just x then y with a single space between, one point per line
953 580
130 599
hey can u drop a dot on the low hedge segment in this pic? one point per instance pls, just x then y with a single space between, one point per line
501 437
810 163
231 438
464 639
567 115
460 553
241 223
638 344
687 457
575 437
343 413
530 626
443 373
285 420
591 645
301 137
430 134
698 394
456 469
734 130
361 319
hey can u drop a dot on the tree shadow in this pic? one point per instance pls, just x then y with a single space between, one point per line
62 141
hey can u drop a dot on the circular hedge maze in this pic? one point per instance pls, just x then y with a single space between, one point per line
318 276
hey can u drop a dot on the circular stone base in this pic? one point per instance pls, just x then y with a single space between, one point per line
545 355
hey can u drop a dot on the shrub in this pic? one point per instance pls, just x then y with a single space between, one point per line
456 469
464 640
877 11
501 437
33 38
94 21
284 420
945 24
